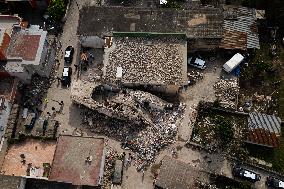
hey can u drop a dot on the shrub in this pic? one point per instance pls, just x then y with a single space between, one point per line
56 9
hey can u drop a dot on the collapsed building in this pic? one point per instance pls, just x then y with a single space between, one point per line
143 49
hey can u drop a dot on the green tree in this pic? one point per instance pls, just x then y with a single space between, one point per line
56 9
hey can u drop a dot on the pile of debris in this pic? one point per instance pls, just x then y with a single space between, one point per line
111 156
146 140
227 91
150 141
34 93
258 103
194 76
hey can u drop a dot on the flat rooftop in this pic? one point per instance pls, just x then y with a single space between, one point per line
36 153
201 22
176 174
24 46
70 163
155 61
10 182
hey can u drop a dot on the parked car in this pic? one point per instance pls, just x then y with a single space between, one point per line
68 57
273 182
196 62
231 64
246 174
66 76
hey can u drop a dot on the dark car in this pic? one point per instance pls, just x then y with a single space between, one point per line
246 174
66 76
273 182
68 57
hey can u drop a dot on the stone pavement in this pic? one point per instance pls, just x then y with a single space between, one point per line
70 117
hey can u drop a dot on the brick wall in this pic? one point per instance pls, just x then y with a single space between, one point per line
4 46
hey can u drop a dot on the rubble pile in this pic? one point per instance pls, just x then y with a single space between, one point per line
34 93
128 105
258 103
226 91
150 141
151 61
144 139
111 156
194 76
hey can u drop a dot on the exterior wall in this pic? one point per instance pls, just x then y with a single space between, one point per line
4 46
25 77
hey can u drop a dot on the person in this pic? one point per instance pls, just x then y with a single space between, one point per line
61 103
45 102
61 106
76 67
143 174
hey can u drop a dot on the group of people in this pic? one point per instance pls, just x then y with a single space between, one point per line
54 112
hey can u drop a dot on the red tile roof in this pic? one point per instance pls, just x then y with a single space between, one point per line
234 40
69 164
24 46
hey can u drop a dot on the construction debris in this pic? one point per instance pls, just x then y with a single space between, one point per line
226 91
144 139
34 93
195 76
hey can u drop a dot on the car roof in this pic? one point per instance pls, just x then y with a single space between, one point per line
67 53
249 174
65 71
281 184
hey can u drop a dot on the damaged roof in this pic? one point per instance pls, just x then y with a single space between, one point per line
70 163
264 129
240 29
202 22
176 174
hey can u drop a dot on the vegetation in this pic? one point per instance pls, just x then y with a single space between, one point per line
56 9
224 129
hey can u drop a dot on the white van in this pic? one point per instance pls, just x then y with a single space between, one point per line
231 64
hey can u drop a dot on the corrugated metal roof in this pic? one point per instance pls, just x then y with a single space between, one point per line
243 22
264 129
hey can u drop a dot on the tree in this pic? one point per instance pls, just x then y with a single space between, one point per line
56 9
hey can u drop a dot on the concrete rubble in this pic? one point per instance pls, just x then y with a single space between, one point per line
194 76
143 139
125 104
34 93
226 91
156 128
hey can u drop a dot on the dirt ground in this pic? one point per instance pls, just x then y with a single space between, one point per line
36 153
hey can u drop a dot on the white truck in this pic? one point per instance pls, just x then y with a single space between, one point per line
231 64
